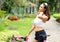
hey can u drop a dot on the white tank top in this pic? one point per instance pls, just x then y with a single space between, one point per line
37 21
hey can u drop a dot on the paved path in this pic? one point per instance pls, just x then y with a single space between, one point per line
52 28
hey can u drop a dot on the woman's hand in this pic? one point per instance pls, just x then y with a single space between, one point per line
42 16
41 13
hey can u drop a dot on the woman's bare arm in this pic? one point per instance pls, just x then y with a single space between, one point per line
32 28
43 17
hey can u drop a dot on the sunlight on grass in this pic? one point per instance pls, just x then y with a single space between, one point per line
22 25
9 28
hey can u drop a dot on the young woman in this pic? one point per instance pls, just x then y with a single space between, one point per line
39 22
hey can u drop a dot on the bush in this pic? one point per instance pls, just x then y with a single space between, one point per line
2 13
4 35
29 15
57 16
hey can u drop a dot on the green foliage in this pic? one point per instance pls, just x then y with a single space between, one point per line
57 16
19 25
30 15
22 28
9 4
2 13
51 3
4 35
22 2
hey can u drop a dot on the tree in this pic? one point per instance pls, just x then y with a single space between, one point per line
1 3
8 4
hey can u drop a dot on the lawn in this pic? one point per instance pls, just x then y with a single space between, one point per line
9 28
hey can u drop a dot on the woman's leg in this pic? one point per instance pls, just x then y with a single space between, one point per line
35 40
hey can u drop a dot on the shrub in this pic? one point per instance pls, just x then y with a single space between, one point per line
57 16
30 15
2 13
7 34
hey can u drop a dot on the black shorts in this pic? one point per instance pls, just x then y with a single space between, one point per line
40 36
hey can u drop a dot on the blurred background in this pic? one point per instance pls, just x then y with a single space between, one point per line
18 7
17 15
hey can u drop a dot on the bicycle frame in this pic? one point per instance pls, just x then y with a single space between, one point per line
15 38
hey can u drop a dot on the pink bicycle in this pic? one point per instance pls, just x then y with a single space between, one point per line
17 39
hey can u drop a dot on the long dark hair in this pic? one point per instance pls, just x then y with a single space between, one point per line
46 12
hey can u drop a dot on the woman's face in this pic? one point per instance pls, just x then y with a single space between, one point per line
41 8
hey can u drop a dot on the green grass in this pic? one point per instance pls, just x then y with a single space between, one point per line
21 26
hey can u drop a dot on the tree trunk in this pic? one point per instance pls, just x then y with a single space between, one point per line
1 3
56 3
